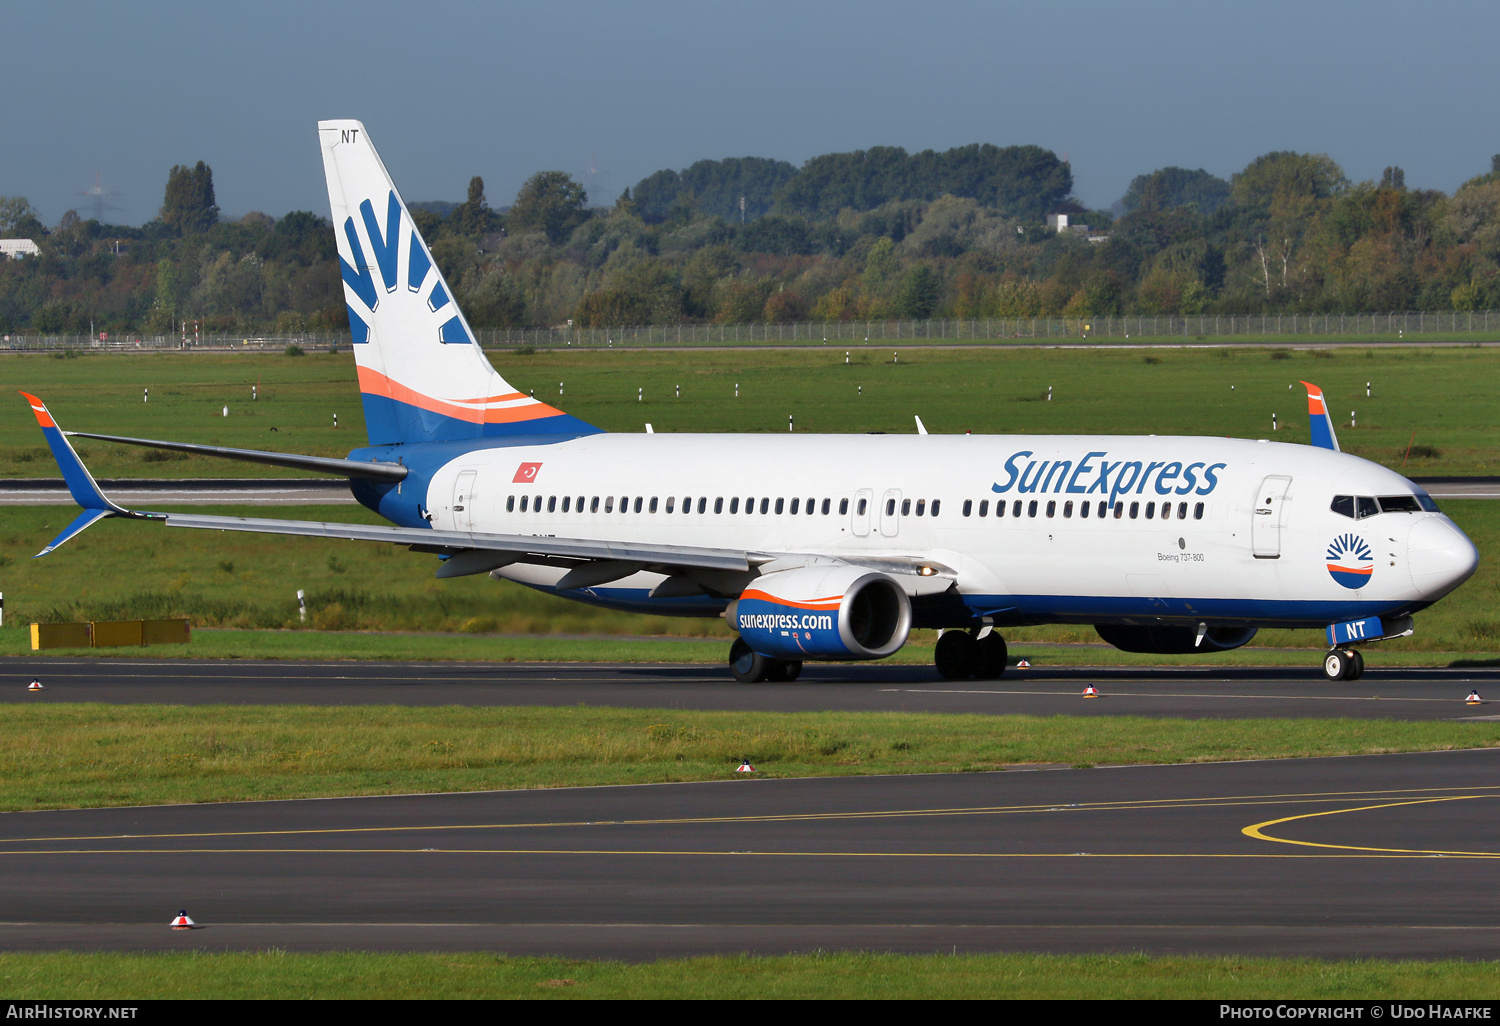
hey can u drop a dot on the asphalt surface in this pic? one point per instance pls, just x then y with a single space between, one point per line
1408 694
1384 856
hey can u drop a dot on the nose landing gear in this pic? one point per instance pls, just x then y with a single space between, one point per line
1343 664
960 655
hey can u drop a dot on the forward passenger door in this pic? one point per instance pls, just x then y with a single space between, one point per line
1265 520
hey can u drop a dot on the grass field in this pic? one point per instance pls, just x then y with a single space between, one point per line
91 755
358 975
1441 394
125 570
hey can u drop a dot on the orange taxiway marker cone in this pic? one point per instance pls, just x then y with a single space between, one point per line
1022 664
35 685
745 767
1090 692
1473 699
182 922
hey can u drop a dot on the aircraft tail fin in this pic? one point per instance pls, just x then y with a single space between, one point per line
1321 423
422 375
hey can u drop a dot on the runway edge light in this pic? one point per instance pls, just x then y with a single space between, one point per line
745 767
1473 699
1090 691
35 685
182 922
1023 665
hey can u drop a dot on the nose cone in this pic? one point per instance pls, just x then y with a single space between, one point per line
1441 556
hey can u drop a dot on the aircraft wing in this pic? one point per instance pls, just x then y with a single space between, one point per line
519 548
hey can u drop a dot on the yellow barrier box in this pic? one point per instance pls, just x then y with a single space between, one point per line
110 634
165 632
60 635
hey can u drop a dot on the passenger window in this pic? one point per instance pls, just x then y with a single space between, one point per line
1399 504
749 506
812 506
1150 511
510 504
703 504
551 504
670 503
1083 510
734 505
624 504
845 502
567 502
1343 505
594 505
1182 511
1031 508
609 504
843 506
890 507
765 504
524 500
1067 510
1015 509
778 506
653 504
580 504
1365 506
1051 508
921 507
906 507
719 505
968 507
984 507
935 504
1119 509
1135 509
1166 511
1198 511
1100 511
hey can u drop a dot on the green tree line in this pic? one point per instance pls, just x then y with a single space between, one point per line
876 233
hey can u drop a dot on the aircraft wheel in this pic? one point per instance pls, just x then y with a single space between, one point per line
1336 665
791 669
955 655
990 656
1356 665
747 665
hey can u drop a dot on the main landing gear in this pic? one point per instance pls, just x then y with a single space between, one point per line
1343 664
750 667
960 655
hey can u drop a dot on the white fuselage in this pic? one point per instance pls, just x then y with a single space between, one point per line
1248 537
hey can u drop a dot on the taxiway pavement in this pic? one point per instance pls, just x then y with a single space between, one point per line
1381 856
1408 694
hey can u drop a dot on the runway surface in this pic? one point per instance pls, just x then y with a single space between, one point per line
1190 693
1388 856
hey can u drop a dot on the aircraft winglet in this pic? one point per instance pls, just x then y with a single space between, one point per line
81 484
1321 423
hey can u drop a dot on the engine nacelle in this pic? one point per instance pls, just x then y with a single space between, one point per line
823 612
1162 640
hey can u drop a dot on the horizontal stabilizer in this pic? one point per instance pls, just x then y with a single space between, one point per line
324 464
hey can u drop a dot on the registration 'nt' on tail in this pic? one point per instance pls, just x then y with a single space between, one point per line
422 375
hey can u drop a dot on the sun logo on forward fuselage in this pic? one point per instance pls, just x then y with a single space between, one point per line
1350 561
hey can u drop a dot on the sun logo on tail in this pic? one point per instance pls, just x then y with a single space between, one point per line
1350 561
385 243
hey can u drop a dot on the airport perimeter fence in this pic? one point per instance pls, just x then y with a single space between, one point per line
998 330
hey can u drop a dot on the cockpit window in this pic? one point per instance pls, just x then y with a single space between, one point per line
1399 504
1425 501
1365 506
1343 505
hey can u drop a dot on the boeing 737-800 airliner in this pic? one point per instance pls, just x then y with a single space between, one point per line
833 547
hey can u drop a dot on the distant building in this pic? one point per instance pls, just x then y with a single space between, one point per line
1059 223
17 248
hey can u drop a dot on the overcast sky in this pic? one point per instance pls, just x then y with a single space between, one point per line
453 89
